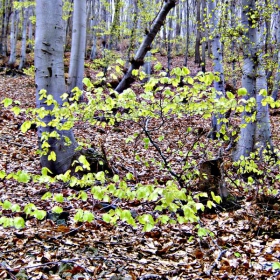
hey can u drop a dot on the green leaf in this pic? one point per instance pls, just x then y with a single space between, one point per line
100 176
47 195
6 205
23 177
19 222
216 198
39 214
25 126
7 102
276 265
88 216
2 174
242 91
58 197
202 232
79 216
16 110
52 156
82 159
15 208
57 210
83 195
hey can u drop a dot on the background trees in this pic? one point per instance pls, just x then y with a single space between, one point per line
104 29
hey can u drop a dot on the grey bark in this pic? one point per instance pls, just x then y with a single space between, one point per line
49 75
277 75
198 33
23 40
77 58
146 45
188 32
256 134
13 38
203 34
4 30
246 141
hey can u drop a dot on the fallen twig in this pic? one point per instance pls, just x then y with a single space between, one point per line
214 265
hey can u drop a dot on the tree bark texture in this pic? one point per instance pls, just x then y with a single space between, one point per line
77 58
49 75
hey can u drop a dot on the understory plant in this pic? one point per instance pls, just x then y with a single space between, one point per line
182 188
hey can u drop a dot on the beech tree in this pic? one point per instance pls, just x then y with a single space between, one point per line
58 146
76 70
217 63
255 127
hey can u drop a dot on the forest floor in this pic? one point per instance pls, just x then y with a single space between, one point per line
246 241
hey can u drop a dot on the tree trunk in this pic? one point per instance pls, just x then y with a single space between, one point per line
23 40
188 33
245 144
277 75
77 58
13 38
256 134
115 28
198 34
49 75
133 30
203 34
218 65
146 45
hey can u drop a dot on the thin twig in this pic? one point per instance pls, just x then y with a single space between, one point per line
214 265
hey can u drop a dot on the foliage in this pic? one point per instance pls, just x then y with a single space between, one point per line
162 98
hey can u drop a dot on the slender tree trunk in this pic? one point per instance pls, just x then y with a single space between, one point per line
49 75
218 65
115 28
23 40
4 31
277 75
198 34
203 33
77 58
30 28
133 30
146 45
188 33
169 43
13 38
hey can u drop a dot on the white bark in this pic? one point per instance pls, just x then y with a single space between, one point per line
23 41
76 70
218 64
246 141
49 75
13 38
277 76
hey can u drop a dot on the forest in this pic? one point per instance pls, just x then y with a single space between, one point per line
139 139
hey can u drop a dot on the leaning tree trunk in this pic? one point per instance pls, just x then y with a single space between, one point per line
218 65
146 45
77 58
49 76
